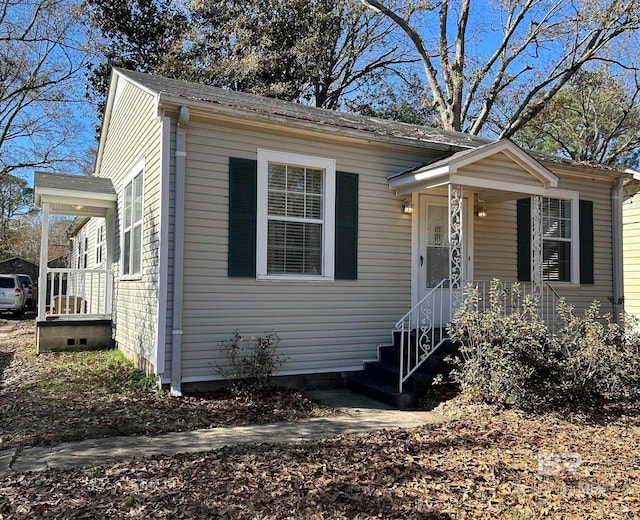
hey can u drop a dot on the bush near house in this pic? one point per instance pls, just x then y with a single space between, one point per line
251 364
513 359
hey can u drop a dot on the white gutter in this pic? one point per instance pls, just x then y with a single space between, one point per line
617 254
178 253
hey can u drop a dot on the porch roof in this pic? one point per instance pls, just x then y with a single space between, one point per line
532 177
74 194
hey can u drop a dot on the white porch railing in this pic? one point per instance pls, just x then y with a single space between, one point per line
78 293
511 295
423 329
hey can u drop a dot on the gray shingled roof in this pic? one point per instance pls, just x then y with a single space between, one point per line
61 181
176 91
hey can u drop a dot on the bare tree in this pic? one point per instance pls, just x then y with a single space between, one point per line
15 201
40 91
480 57
28 228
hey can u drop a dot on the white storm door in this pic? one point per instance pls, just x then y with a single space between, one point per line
433 253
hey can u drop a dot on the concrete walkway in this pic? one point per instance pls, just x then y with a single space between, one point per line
359 415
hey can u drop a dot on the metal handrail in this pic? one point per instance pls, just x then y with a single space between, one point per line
420 319
547 300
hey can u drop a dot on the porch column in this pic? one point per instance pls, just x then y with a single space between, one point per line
456 246
536 249
44 257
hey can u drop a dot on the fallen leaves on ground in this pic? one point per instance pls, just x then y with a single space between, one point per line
65 396
485 466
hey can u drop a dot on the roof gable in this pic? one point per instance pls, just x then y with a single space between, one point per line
503 163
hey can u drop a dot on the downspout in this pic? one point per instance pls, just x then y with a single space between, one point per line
178 253
617 263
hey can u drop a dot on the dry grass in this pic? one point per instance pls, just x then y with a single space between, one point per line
64 396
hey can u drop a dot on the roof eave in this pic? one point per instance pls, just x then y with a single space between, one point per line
250 116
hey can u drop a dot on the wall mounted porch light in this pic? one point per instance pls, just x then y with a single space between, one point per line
407 207
482 211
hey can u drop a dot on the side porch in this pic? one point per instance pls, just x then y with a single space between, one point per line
74 308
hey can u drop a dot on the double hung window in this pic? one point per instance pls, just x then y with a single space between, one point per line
132 227
296 212
557 237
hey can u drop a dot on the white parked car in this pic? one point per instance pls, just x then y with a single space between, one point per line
12 294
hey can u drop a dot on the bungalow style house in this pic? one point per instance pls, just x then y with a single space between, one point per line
213 211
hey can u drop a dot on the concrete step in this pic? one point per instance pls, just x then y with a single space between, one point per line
381 392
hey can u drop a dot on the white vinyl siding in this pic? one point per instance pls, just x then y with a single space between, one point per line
89 285
134 135
324 327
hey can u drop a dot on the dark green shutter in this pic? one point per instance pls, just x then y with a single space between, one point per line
586 242
524 240
346 266
242 217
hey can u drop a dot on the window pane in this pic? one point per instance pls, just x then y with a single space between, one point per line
127 205
313 206
295 205
277 177
137 193
127 253
556 218
314 181
277 203
437 264
295 179
294 192
294 248
137 249
556 261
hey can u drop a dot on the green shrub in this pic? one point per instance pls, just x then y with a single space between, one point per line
503 356
251 363
599 359
512 359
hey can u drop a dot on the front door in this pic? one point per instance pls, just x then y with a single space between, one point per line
434 254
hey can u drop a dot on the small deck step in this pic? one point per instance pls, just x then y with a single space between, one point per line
384 373
380 379
381 392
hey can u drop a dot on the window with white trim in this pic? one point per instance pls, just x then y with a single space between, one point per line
99 244
296 215
83 246
557 236
132 227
